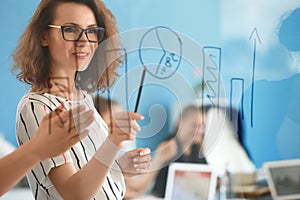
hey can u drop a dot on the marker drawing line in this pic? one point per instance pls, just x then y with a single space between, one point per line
231 96
212 70
254 35
163 49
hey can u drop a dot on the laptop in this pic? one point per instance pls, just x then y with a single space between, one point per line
190 181
283 178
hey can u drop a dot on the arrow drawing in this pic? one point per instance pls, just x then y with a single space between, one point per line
255 37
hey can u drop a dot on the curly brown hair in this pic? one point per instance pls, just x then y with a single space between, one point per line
33 60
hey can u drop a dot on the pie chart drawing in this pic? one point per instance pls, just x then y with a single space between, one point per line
160 50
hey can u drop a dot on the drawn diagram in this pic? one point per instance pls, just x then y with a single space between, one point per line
154 51
160 50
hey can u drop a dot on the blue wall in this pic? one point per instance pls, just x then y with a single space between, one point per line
14 16
243 46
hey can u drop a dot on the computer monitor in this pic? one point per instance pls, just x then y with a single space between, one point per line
283 178
190 181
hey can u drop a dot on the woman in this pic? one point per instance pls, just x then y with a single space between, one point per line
52 55
184 147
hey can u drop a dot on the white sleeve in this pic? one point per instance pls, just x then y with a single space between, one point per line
28 120
221 146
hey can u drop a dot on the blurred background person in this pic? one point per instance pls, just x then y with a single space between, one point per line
184 145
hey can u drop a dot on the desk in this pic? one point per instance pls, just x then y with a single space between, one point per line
258 191
253 192
242 193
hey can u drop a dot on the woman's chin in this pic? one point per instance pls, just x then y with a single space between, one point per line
82 68
83 64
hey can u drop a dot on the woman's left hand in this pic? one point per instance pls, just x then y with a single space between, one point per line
135 162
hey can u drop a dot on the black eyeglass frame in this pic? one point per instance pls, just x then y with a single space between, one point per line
99 30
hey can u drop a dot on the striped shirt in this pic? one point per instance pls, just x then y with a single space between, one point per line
31 109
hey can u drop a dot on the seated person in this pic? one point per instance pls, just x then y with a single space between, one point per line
190 145
183 146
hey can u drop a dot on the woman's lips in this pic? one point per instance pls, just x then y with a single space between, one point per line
81 55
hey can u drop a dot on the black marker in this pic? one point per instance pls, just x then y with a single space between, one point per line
140 90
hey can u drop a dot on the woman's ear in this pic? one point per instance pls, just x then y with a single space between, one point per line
44 41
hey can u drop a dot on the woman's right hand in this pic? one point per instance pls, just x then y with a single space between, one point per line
59 130
123 127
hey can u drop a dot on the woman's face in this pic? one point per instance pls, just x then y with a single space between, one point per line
67 56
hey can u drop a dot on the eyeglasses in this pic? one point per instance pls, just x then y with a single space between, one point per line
74 33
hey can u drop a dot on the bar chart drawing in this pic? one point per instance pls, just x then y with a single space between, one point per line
211 74
237 87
